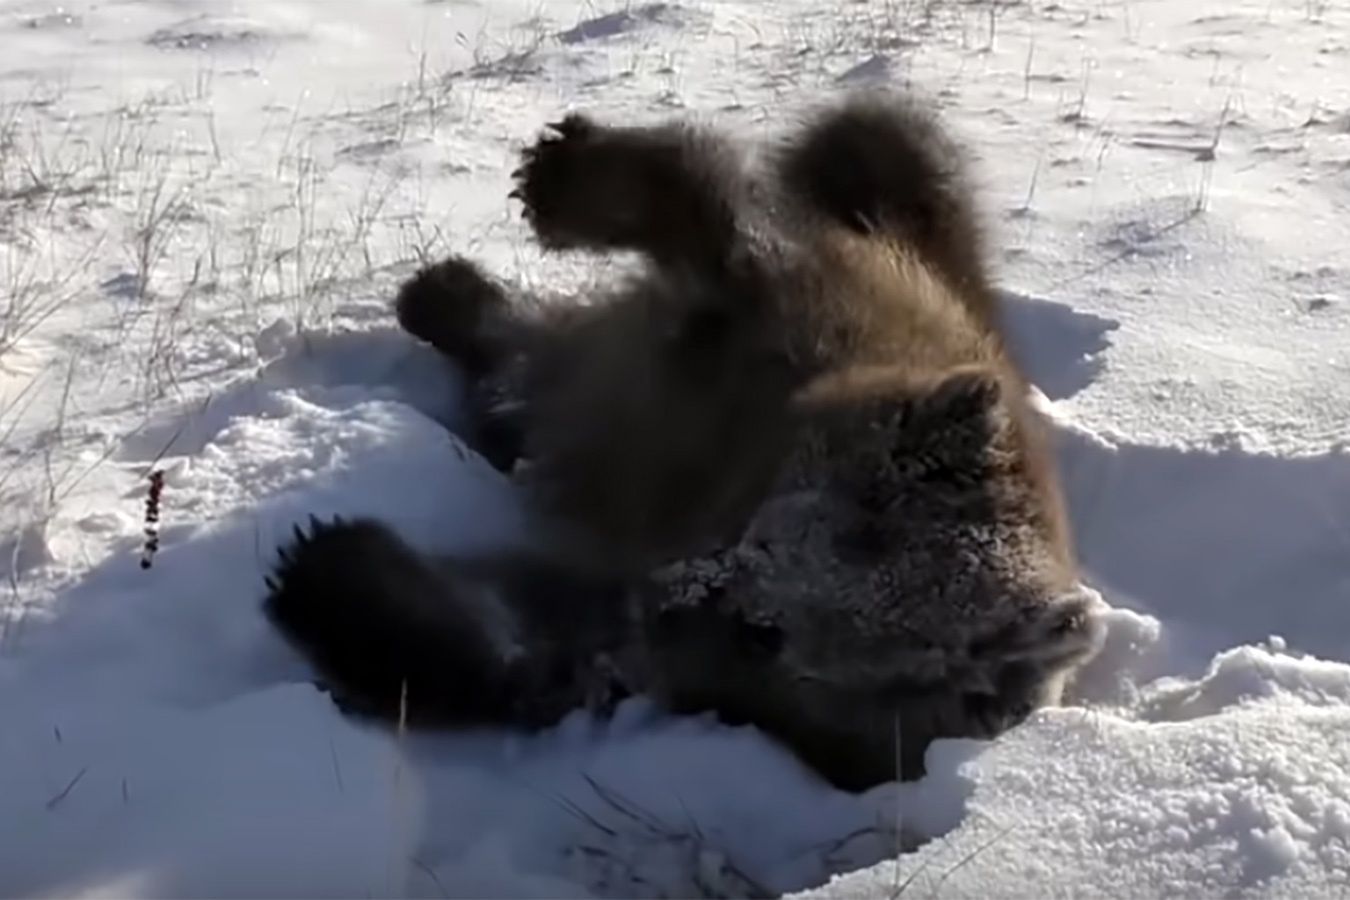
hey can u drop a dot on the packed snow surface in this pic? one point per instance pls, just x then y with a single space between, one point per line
204 209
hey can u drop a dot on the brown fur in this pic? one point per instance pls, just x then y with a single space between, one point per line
677 384
799 418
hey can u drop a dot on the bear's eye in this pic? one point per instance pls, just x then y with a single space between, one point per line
1068 624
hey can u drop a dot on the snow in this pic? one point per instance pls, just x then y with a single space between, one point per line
204 208
1249 800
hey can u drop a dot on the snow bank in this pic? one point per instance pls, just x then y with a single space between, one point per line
1244 792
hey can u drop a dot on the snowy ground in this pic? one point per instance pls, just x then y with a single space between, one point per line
204 208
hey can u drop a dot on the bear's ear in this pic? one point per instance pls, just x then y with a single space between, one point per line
917 405
885 433
948 423
963 394
957 392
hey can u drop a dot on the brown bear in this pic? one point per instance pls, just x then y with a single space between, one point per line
786 472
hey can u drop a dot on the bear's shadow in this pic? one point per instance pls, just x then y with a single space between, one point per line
1058 347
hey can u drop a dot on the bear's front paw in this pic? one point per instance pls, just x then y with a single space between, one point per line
445 305
558 183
